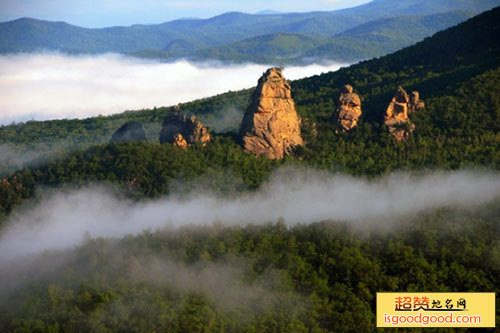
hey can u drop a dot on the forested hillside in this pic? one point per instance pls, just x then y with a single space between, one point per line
270 276
321 277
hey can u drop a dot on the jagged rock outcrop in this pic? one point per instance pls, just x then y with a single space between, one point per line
348 109
271 126
191 131
179 141
397 113
415 102
131 131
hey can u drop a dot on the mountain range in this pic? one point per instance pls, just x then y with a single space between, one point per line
373 29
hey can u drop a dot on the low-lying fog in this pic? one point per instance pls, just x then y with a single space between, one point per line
53 85
64 220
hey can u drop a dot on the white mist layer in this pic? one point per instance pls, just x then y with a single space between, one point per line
64 220
52 86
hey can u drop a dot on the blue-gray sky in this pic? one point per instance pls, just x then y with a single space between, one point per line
102 13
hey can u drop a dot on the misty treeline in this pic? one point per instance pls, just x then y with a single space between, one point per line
142 170
255 278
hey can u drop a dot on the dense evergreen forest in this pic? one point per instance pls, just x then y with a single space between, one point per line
318 277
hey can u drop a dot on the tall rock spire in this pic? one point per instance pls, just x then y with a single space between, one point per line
271 126
348 109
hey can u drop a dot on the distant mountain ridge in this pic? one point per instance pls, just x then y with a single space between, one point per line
389 8
202 37
372 39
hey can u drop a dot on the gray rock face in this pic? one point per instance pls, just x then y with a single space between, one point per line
131 131
190 129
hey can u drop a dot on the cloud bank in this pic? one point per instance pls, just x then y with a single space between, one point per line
65 220
53 86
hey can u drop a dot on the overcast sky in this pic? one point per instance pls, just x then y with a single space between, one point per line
102 13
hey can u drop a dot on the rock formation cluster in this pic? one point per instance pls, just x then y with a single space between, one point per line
131 131
271 126
181 131
397 113
348 109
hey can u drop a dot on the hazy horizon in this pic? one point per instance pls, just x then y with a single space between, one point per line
91 14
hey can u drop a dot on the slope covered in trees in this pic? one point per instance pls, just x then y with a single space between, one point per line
270 278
